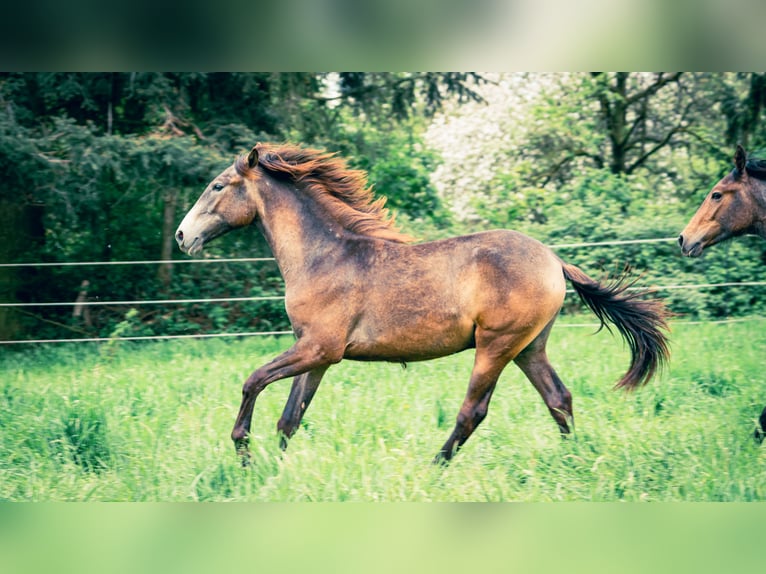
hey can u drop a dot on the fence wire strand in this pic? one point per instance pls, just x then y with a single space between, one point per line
139 302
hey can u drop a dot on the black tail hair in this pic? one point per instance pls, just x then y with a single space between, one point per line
641 322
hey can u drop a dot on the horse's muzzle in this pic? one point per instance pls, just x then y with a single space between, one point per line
693 250
188 247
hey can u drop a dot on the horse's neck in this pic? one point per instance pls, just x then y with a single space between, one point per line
298 231
760 200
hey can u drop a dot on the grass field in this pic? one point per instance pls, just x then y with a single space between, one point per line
151 422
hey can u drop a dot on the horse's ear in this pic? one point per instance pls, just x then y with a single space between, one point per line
740 159
252 157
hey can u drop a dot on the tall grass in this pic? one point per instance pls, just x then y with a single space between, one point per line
151 422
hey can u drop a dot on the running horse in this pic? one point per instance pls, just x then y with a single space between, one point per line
735 206
357 288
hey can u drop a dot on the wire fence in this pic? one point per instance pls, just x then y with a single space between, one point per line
147 301
144 262
214 300
150 337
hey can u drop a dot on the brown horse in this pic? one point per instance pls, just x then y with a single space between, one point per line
356 288
735 206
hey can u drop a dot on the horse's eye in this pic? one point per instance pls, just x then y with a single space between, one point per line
716 196
218 187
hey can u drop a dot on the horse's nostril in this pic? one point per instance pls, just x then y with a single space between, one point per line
179 235
680 240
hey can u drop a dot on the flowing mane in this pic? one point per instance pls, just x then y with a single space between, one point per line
344 192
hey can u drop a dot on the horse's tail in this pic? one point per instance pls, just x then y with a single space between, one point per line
640 321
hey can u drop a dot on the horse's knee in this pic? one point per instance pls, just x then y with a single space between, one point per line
252 386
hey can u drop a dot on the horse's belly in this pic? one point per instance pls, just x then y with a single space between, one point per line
411 341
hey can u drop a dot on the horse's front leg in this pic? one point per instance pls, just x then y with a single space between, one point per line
302 357
301 393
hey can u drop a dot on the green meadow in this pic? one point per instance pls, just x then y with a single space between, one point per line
124 421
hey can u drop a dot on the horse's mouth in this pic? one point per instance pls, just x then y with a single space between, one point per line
195 247
192 248
694 251
698 247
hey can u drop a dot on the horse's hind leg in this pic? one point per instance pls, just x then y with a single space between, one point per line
472 412
301 393
533 361
489 363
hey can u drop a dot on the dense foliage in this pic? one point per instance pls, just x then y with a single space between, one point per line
102 166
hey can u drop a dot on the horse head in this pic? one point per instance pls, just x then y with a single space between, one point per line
227 203
729 210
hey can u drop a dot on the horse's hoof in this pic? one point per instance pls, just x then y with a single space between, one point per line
440 460
759 435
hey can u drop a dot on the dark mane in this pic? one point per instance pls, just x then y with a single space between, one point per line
756 168
344 192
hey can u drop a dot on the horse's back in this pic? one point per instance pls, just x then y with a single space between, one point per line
488 266
428 299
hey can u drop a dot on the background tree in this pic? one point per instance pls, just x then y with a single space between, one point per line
744 111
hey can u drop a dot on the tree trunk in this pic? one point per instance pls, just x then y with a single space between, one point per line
613 104
756 98
618 123
169 223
